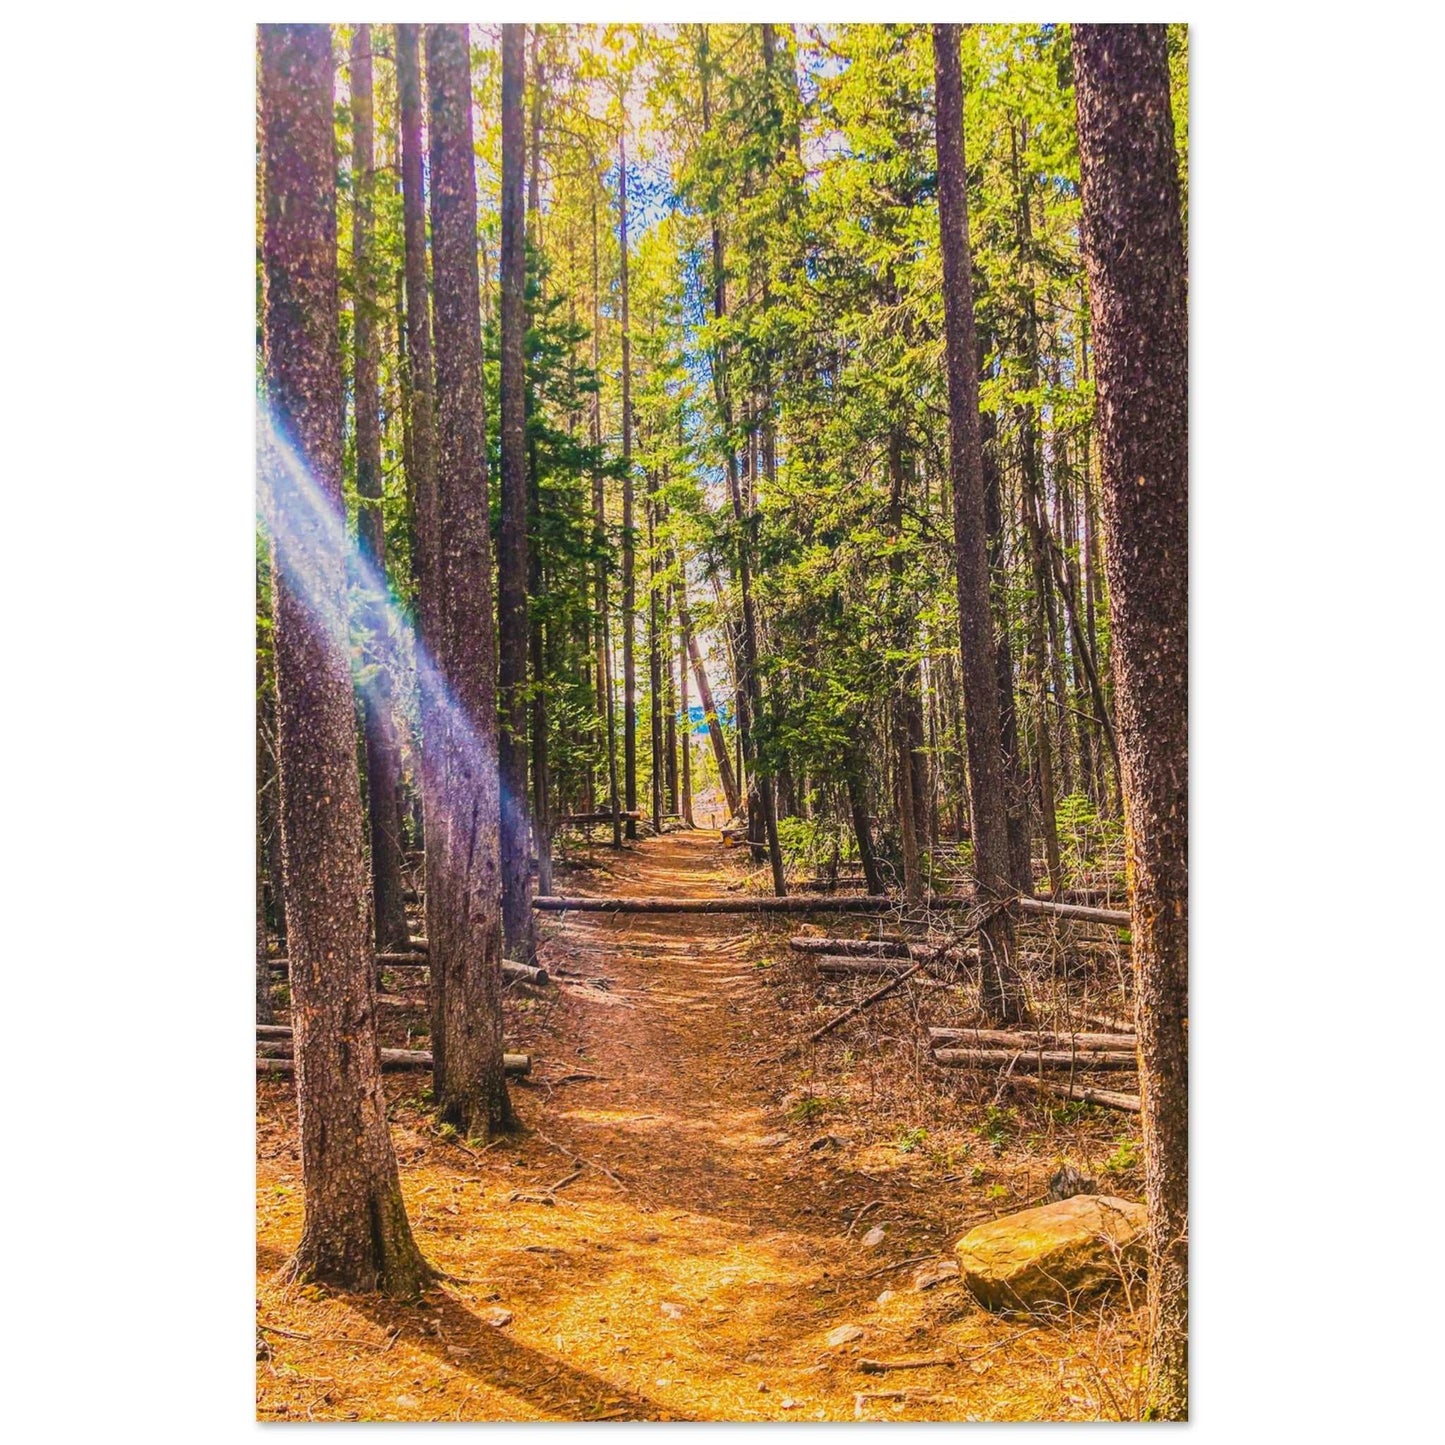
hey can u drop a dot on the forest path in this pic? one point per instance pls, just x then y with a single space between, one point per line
696 1267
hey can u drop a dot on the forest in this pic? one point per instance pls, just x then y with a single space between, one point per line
721 667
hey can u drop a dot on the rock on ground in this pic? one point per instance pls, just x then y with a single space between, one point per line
1055 1255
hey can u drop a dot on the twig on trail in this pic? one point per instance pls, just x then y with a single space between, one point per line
999 1344
576 1079
579 1159
565 1180
924 1397
287 1334
857 1218
858 1008
930 1362
900 1264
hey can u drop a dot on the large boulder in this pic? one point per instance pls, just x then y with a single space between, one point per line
1056 1255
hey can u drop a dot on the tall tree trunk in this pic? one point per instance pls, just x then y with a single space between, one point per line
464 884
654 653
355 1232
264 1014
629 583
1001 995
669 711
517 927
536 583
418 321
599 541
682 660
1134 255
908 702
1021 867
383 747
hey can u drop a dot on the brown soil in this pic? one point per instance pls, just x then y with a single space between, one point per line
695 1267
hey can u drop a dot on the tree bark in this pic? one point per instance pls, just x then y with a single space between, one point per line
1134 256
517 930
383 746
418 321
463 864
355 1232
629 583
1021 866
1001 995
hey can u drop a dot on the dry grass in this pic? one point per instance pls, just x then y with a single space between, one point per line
700 1280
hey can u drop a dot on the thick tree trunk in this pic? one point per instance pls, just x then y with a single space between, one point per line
383 746
463 865
1134 255
517 930
1001 996
355 1232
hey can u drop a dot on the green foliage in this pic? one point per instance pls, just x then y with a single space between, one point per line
1124 1158
911 1139
998 1124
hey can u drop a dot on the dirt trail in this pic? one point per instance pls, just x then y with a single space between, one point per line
695 1269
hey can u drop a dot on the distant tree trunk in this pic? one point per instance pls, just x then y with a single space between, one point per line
908 702
654 653
383 747
714 725
464 882
1001 995
517 928
682 661
858 807
669 711
1134 255
629 583
355 1232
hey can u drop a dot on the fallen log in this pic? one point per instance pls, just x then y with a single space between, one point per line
881 1367
759 903
831 967
283 1063
1036 1058
1041 908
1104 1022
1030 1039
595 820
510 969
863 947
828 903
1085 1093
